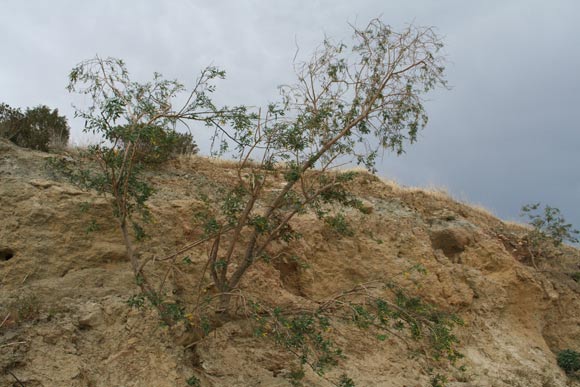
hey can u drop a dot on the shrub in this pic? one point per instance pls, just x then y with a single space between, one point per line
438 381
345 381
339 224
26 308
193 381
157 145
550 224
549 228
569 361
39 128
381 309
10 121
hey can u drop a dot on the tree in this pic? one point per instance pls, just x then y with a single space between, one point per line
130 117
348 104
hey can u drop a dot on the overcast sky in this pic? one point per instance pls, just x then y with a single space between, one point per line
506 134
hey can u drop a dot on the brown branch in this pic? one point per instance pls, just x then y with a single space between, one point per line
13 343
5 319
17 380
241 221
212 260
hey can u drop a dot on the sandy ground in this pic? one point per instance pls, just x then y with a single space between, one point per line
65 282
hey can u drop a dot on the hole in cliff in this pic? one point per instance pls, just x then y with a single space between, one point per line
290 275
452 242
6 254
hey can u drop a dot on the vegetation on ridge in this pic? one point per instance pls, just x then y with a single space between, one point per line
38 128
549 230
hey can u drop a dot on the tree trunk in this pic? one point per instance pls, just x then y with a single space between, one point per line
129 247
140 277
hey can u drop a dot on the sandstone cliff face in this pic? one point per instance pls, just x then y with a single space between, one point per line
64 283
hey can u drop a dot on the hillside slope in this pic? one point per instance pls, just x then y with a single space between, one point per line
65 282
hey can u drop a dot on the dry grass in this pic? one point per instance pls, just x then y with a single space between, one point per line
517 226
437 192
441 194
480 208
220 163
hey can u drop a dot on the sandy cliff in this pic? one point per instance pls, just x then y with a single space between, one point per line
65 281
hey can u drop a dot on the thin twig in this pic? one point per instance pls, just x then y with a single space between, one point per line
27 275
198 299
194 244
5 319
17 380
13 343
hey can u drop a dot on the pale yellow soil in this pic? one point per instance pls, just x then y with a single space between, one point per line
75 283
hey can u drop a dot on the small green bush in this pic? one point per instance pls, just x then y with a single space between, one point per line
11 120
439 381
26 308
569 361
340 225
193 381
549 231
550 224
38 128
156 145
345 381
296 377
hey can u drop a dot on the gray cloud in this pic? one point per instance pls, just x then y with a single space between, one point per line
506 133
